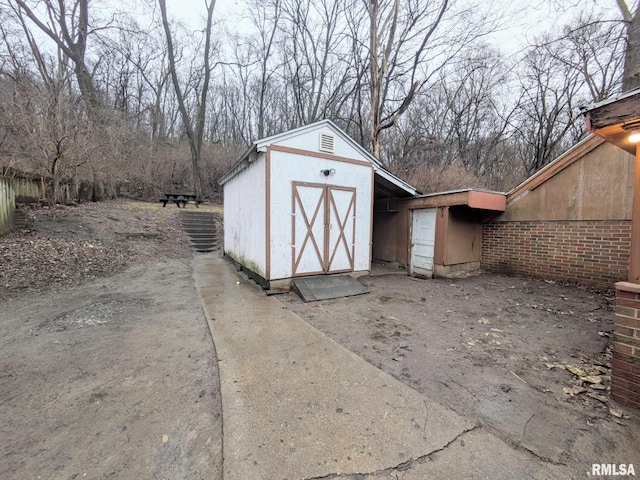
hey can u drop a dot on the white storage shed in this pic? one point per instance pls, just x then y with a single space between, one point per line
300 203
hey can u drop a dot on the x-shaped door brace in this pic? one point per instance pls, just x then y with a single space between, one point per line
309 225
342 224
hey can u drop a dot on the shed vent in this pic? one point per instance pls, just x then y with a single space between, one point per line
326 143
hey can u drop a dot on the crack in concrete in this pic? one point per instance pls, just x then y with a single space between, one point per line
406 465
541 457
524 429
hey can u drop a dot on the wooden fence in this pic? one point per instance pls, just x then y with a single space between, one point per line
26 190
7 205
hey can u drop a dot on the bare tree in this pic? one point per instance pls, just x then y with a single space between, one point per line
399 33
544 124
592 47
68 27
265 20
194 124
631 74
314 46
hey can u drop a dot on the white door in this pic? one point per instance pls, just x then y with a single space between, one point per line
423 236
341 233
323 228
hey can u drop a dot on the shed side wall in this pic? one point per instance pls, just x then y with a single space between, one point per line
244 217
391 231
391 234
464 237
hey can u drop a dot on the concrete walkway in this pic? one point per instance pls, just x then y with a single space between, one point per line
296 405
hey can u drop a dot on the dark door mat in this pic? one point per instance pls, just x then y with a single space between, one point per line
324 287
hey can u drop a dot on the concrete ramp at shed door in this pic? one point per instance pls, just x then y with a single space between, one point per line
325 287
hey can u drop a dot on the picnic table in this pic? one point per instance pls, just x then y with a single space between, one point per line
180 199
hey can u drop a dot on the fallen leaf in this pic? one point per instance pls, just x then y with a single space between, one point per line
165 438
484 321
600 398
598 386
576 371
618 413
591 379
574 390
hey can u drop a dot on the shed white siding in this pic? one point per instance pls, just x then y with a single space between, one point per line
301 203
244 217
287 168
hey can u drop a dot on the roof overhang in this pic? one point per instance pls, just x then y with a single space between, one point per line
250 155
387 185
469 197
615 118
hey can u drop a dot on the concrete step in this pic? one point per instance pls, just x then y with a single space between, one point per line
202 236
203 240
201 227
198 217
196 230
190 226
204 245
198 223
20 219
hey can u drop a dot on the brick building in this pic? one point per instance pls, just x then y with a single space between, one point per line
569 221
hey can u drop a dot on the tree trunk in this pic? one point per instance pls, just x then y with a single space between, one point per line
375 84
73 44
194 135
631 75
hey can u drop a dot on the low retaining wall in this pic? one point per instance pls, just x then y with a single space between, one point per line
7 205
594 252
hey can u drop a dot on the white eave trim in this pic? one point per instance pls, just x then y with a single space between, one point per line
390 177
239 166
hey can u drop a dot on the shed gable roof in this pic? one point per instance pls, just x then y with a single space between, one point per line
261 145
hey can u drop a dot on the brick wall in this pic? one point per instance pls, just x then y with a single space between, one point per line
625 372
589 252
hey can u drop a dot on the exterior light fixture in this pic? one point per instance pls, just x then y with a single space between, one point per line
635 136
330 171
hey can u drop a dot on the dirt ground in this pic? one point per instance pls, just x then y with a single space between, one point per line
108 369
107 365
500 350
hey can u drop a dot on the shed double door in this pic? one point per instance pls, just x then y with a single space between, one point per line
323 228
